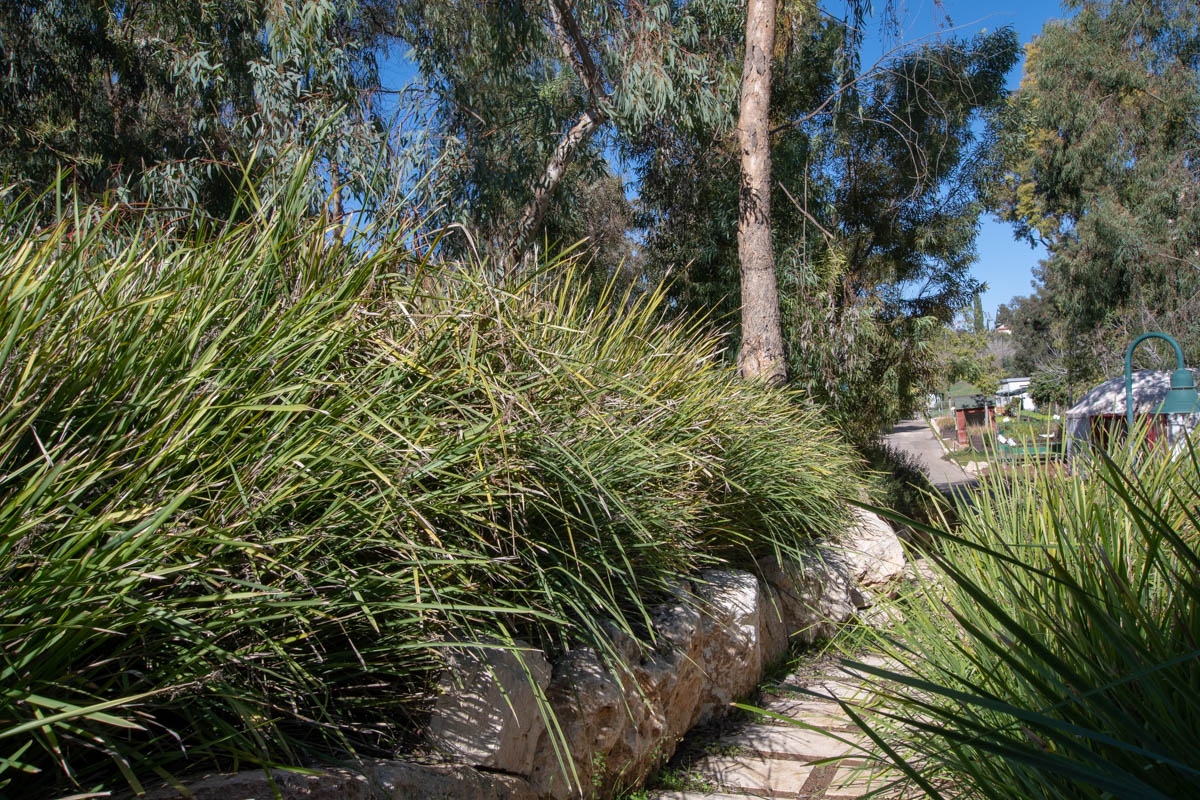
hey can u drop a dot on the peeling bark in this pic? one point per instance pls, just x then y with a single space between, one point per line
761 354
337 212
535 210
575 50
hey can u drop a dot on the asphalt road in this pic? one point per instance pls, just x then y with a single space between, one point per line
913 436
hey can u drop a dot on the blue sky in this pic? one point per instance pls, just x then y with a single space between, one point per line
1005 264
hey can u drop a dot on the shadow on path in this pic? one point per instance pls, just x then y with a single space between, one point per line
826 757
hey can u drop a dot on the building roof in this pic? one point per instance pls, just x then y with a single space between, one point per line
1150 388
1013 386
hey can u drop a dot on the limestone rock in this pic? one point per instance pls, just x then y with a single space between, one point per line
871 550
674 673
773 629
922 576
815 596
921 571
375 780
620 720
488 713
730 637
863 598
588 702
884 616
398 780
334 784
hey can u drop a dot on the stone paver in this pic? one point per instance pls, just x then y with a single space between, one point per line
827 758
698 796
794 742
756 775
840 688
855 781
822 714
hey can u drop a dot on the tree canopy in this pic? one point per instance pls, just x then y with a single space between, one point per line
874 188
171 102
1098 157
874 207
533 93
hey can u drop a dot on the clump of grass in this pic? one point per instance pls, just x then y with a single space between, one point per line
254 482
946 426
1059 657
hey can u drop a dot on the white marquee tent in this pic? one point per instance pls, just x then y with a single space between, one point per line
1150 388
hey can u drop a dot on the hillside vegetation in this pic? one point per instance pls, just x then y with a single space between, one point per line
255 481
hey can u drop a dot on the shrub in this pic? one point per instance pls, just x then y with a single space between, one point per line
1060 658
254 482
1049 388
899 483
947 427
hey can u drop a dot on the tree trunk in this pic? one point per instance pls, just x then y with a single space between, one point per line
761 355
535 210
336 210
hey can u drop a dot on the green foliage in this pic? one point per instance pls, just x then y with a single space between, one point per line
898 482
169 103
1059 657
1027 430
964 356
866 369
874 223
1004 314
1038 332
1049 387
1096 157
506 94
254 482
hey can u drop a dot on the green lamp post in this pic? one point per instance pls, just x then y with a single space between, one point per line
1181 399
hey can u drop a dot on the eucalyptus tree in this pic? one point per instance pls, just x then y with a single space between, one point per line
171 102
1098 158
874 208
535 91
761 353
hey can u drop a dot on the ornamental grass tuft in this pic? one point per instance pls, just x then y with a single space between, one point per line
254 481
1059 656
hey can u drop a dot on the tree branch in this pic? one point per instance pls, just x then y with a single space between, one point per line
578 54
535 209
829 237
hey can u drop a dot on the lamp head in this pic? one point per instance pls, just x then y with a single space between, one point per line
1182 399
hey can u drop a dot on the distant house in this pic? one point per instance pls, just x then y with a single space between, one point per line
1004 329
1100 414
1015 388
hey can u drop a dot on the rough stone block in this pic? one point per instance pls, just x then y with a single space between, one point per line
871 550
731 649
815 596
488 713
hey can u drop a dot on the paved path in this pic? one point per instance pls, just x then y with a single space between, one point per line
827 757
774 758
914 436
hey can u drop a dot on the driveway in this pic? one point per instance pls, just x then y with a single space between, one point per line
913 436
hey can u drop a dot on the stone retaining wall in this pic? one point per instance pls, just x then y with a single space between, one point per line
610 722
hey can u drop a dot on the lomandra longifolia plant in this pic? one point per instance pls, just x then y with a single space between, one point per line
255 479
